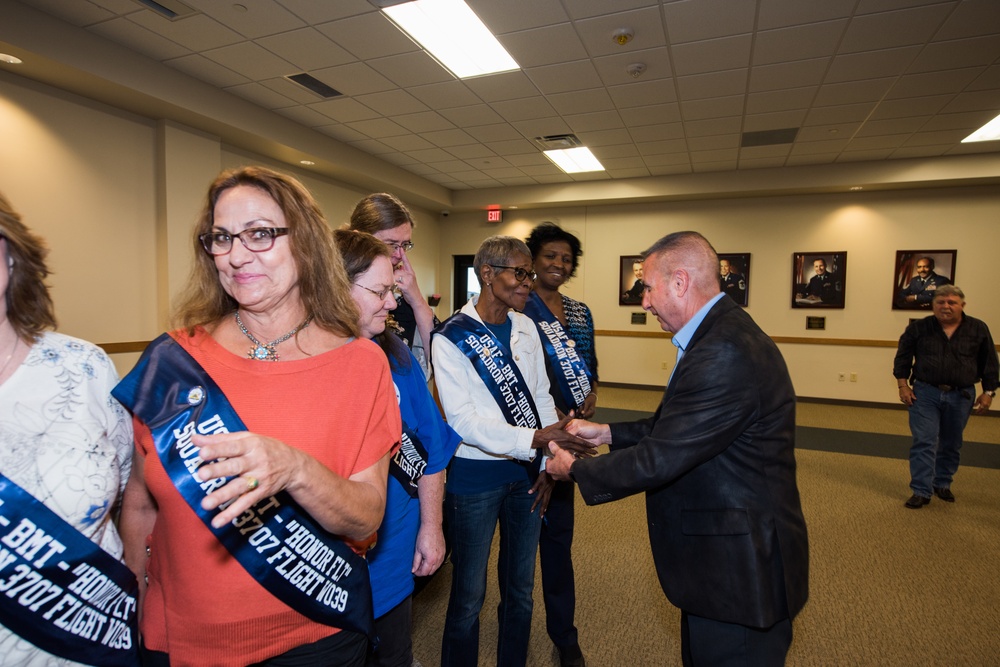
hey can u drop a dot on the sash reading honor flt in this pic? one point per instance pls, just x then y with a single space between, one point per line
276 541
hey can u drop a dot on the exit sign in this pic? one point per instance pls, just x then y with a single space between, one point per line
494 215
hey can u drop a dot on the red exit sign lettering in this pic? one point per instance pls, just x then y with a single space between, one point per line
494 215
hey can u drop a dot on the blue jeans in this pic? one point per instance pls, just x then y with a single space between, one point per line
937 419
471 521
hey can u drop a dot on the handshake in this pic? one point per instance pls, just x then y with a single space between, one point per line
567 440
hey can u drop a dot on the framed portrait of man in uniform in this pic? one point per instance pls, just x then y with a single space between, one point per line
734 276
630 280
819 279
917 276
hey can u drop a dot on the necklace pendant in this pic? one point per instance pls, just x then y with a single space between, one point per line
263 353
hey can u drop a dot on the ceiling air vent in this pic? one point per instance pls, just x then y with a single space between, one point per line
168 9
315 85
555 142
769 137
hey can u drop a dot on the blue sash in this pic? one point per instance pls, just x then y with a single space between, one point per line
493 362
59 590
276 541
571 373
410 461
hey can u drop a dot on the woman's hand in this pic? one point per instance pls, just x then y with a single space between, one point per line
556 433
589 406
260 467
407 280
542 489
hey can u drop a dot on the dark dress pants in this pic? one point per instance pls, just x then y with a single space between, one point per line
556 557
708 643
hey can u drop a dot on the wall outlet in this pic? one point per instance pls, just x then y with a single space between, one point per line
841 376
665 366
854 376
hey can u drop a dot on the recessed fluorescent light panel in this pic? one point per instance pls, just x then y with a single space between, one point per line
988 132
453 35
575 160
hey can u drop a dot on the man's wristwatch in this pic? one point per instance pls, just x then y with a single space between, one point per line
992 393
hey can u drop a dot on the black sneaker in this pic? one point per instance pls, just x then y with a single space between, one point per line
916 502
944 494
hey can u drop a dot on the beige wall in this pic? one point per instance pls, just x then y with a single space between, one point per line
871 227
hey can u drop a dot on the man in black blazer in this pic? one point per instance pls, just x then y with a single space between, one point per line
717 463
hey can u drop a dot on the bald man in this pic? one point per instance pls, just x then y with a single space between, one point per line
717 464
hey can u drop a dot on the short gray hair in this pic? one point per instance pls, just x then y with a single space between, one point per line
950 290
498 250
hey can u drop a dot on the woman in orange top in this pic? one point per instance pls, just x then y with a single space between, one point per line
269 318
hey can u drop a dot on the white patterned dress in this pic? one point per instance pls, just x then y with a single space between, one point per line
64 440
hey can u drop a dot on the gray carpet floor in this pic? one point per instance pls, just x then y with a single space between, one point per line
889 586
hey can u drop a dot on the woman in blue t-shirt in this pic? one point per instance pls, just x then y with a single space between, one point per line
410 539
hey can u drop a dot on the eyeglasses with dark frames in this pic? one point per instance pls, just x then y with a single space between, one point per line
256 239
519 273
405 246
381 294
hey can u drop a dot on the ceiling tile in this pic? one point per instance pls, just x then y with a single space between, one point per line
788 75
318 12
449 138
776 120
716 107
196 32
353 79
306 48
342 132
252 61
717 84
512 15
407 142
368 36
802 42
910 106
544 46
712 55
782 13
424 121
513 147
598 120
620 150
653 133
877 32
956 55
707 19
344 109
467 151
207 70
948 81
871 90
580 101
377 128
643 93
605 137
874 64
392 102
970 19
372 146
843 113
411 69
707 128
261 95
471 116
444 95
505 86
138 38
251 18
304 116
780 100
541 127
524 109
495 132
651 115
565 77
